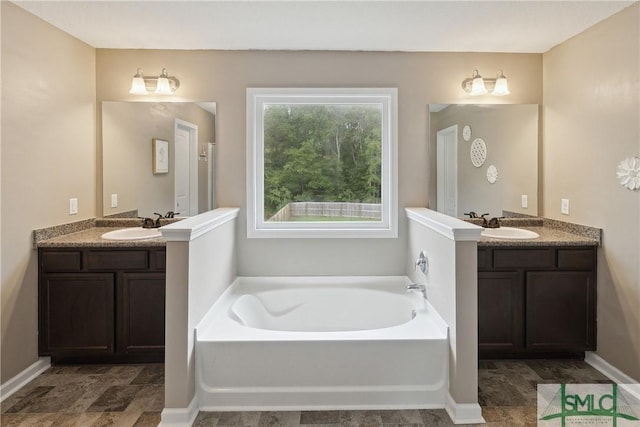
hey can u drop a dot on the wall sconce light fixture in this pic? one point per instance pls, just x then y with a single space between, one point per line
476 85
161 85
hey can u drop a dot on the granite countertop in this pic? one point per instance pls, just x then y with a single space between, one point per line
86 234
552 233
548 237
90 238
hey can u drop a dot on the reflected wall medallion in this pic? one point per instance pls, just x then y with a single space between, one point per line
466 133
478 152
492 174
629 173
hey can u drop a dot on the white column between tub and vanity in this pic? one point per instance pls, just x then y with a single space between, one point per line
201 264
451 247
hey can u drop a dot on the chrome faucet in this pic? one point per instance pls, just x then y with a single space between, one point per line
418 287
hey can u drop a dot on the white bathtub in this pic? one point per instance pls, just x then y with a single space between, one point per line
321 342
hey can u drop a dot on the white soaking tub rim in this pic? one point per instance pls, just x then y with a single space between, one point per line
218 326
322 309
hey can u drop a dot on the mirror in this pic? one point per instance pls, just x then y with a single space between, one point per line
158 157
486 158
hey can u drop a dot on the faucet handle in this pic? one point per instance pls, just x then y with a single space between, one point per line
471 214
484 219
157 220
422 263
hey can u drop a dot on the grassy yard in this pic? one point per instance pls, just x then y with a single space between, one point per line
329 218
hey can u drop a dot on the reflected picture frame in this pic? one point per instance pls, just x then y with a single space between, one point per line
160 156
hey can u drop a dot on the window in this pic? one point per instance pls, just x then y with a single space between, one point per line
321 162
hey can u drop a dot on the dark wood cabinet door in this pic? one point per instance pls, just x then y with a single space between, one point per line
500 312
560 310
142 315
76 313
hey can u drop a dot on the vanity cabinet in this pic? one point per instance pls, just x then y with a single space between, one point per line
536 302
102 305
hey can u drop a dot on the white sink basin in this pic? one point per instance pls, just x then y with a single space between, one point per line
135 233
509 233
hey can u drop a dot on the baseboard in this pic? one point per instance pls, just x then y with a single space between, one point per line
464 413
16 383
614 374
179 417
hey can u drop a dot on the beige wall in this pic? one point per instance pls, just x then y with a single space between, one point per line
48 156
510 133
591 123
223 76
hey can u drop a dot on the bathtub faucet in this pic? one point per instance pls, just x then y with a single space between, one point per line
418 287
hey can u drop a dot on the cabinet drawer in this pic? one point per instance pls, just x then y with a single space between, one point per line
117 260
523 258
160 260
484 259
577 259
69 261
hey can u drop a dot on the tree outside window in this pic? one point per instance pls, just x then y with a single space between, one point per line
321 160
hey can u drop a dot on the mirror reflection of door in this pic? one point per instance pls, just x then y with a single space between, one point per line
211 176
447 170
186 171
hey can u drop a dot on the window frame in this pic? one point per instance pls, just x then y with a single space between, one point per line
257 227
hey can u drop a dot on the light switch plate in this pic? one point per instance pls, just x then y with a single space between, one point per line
525 201
564 206
73 206
114 200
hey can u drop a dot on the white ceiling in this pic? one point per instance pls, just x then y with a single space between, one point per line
459 26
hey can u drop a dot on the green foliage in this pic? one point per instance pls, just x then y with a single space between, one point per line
321 153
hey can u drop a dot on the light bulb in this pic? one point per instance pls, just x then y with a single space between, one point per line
164 88
501 87
477 85
137 84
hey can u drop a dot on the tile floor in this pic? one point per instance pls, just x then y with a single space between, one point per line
133 395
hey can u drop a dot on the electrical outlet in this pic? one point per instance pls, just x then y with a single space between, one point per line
73 206
525 201
114 200
564 206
